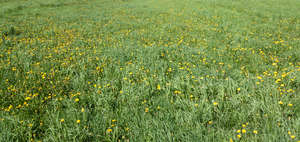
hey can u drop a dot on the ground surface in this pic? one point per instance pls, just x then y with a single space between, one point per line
151 70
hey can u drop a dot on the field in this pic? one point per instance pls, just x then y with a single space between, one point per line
150 70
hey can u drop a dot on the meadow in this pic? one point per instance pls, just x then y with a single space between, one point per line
150 70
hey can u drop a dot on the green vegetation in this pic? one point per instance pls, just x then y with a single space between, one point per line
151 70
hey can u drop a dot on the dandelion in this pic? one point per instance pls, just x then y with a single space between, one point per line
239 136
158 107
238 131
109 130
278 80
293 136
114 120
82 109
62 120
146 109
215 103
78 121
255 132
158 87
210 122
280 102
76 100
290 105
177 92
244 131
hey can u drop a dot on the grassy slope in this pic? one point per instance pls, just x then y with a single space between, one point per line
168 70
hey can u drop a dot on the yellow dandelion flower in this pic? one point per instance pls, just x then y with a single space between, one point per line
244 131
210 122
29 125
82 109
293 136
290 105
238 131
114 120
255 132
27 98
215 103
78 121
158 87
76 100
177 92
62 120
239 136
230 140
146 109
158 107
280 102
109 130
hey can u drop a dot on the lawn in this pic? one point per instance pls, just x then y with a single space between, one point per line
150 70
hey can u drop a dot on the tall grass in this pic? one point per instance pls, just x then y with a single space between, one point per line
169 70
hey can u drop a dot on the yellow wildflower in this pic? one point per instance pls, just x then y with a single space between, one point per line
158 87
293 136
244 131
109 130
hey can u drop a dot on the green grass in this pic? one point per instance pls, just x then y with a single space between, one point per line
152 70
